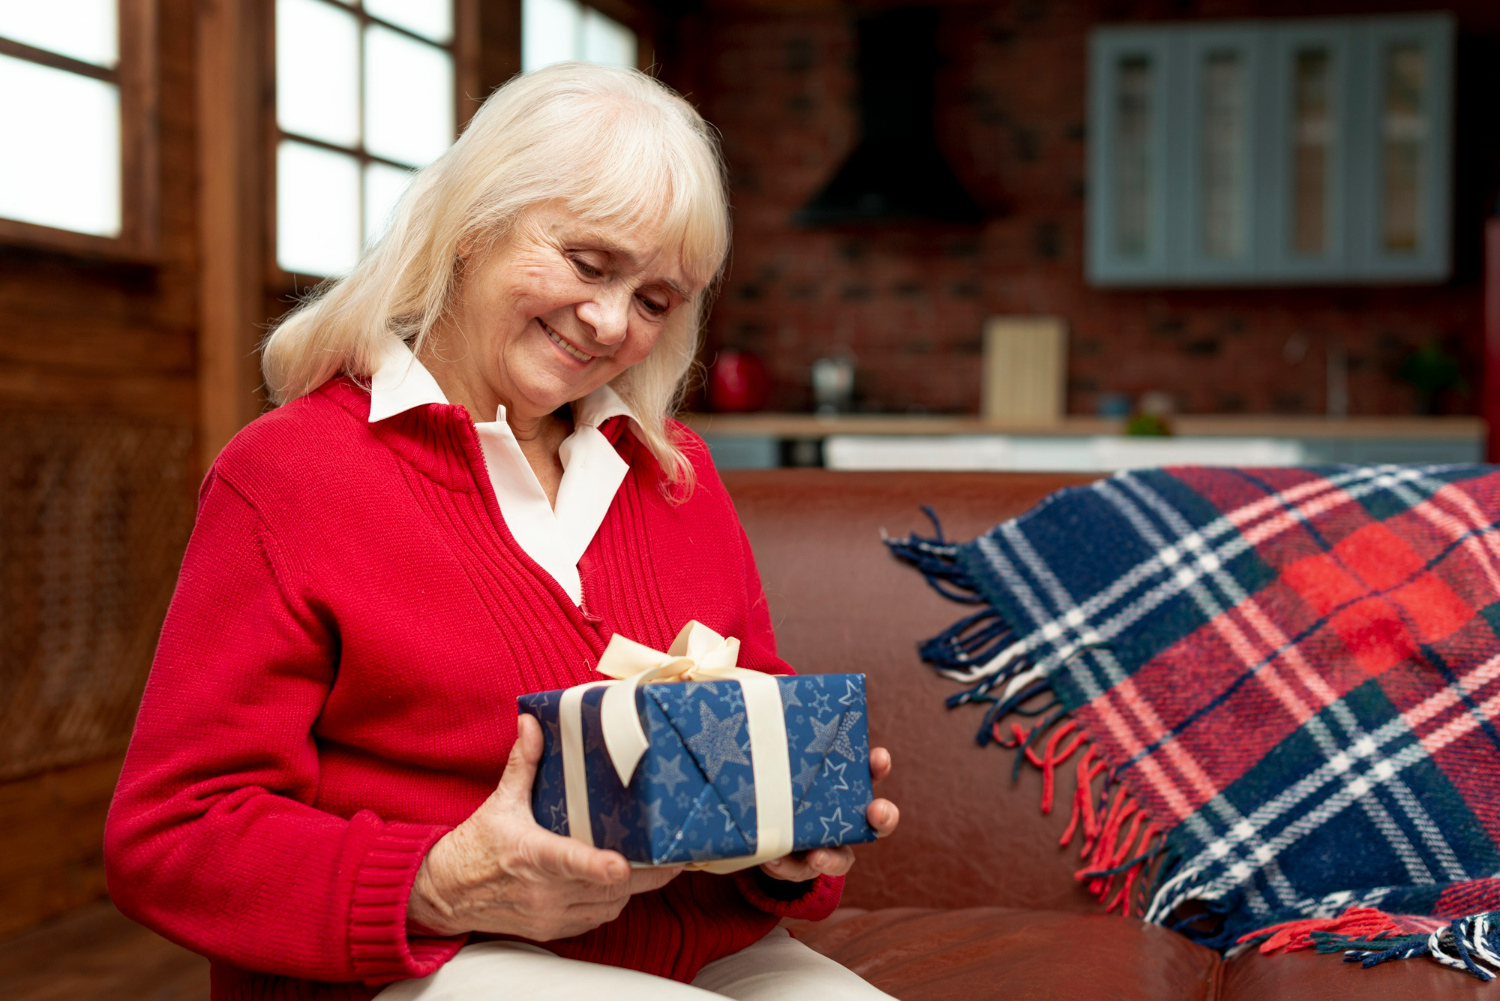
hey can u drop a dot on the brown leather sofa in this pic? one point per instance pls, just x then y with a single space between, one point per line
973 897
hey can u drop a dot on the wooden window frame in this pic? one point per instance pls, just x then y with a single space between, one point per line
641 20
465 49
136 76
644 20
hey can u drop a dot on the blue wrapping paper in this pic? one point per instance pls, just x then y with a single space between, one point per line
692 797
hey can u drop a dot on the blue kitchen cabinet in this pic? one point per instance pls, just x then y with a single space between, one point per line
1295 151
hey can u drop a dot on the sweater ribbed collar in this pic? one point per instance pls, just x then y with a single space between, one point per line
554 536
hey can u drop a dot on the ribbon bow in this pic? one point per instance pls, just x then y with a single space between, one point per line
697 654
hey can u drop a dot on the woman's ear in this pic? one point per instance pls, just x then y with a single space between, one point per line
466 250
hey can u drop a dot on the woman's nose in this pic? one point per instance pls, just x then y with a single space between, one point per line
608 315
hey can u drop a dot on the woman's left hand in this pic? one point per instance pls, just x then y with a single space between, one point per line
882 814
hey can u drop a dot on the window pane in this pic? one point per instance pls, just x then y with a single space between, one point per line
384 186
83 29
1404 130
60 162
317 210
607 41
429 18
1312 139
549 32
408 97
1223 154
317 71
1132 166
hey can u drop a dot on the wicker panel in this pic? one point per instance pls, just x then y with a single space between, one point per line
94 515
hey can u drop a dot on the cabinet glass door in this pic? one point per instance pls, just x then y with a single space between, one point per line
1222 155
1407 179
1403 134
1312 137
1132 160
1128 160
1218 228
1307 193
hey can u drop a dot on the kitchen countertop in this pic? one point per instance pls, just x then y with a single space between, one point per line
805 426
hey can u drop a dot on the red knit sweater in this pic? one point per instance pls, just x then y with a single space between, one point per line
335 688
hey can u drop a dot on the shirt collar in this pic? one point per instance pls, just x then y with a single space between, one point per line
401 382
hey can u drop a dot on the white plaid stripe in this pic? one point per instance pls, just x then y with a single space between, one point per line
1078 616
1068 625
1052 626
1430 709
1381 772
1266 671
1410 723
1121 682
1214 611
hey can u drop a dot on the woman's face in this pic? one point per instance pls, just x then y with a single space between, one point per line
562 308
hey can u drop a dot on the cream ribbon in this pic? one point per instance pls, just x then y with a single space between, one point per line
697 654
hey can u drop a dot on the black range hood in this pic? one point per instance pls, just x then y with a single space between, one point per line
896 173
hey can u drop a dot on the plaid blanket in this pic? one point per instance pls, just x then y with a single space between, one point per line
1278 689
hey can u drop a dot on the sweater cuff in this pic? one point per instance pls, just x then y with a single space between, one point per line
380 946
815 904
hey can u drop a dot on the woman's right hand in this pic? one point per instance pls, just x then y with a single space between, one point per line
502 872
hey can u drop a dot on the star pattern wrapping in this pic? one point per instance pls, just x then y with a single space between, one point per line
612 833
668 772
717 741
744 796
692 797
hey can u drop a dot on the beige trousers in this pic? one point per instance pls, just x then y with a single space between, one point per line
777 968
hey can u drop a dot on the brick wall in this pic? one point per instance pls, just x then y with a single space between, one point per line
777 80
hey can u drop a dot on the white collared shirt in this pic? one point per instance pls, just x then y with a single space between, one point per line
555 537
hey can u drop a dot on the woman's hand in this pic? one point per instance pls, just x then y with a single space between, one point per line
502 872
882 814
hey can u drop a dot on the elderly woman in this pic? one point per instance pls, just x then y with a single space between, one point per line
470 485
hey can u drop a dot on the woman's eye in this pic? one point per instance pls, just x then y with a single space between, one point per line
586 269
652 306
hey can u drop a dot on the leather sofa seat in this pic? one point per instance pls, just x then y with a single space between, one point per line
1008 953
1004 952
973 897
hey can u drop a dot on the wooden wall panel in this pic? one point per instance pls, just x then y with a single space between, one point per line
94 512
98 407
498 55
51 844
232 203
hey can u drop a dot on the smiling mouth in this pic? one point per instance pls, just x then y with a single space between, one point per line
571 351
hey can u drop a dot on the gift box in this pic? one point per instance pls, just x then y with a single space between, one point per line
695 793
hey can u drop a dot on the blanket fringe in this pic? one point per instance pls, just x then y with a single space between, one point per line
1363 923
1369 936
1120 846
937 560
1123 851
979 649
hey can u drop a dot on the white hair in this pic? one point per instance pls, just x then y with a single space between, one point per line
613 146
